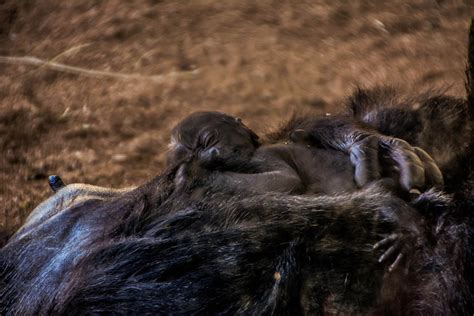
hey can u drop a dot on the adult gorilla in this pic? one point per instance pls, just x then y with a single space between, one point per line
209 249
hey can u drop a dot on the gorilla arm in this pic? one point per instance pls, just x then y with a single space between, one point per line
276 175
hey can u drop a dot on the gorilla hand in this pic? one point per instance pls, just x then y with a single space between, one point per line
370 151
416 169
398 247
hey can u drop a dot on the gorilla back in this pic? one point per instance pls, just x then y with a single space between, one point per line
152 250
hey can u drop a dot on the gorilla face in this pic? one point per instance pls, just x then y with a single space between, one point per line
215 140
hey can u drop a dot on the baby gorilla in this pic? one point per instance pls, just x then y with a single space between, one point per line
217 141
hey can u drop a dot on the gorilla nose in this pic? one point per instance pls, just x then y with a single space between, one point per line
210 154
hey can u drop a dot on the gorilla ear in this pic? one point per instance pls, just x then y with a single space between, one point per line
255 138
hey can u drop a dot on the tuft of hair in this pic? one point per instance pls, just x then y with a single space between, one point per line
470 70
283 132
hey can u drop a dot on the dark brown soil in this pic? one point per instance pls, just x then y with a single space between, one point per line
260 60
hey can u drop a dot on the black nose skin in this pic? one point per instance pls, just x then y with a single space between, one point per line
210 155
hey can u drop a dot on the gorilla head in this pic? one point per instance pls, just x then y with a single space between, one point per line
216 140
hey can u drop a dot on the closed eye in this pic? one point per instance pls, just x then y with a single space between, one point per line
208 139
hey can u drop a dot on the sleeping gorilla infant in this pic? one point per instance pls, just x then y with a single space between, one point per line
217 141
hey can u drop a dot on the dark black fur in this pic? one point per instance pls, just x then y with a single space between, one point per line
151 251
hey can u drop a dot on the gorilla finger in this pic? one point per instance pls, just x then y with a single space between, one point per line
385 241
388 253
433 175
407 266
395 264
412 172
364 157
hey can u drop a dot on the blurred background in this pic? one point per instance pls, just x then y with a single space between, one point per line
144 64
